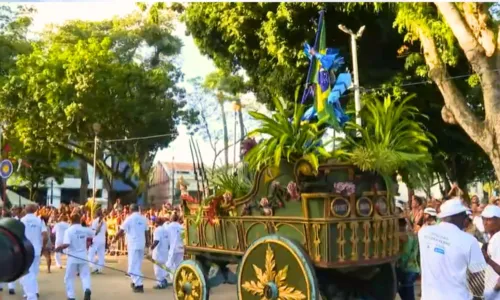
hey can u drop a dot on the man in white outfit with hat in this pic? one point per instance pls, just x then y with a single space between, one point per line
491 251
450 257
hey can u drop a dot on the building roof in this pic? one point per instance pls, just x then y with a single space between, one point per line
178 166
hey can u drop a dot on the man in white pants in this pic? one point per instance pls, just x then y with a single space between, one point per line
36 232
59 230
75 243
98 246
160 252
135 227
176 244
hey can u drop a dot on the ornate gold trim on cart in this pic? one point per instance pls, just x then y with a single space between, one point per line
190 281
264 271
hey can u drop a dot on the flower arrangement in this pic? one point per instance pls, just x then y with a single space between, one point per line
266 207
344 188
293 191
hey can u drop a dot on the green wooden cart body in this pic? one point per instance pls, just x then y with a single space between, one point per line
337 230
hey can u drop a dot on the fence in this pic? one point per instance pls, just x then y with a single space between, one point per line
120 247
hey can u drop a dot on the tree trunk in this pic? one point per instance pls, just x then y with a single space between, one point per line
484 59
226 135
242 126
84 177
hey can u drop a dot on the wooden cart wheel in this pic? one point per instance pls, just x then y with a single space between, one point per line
275 267
190 281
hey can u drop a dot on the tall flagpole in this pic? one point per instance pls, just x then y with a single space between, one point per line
311 64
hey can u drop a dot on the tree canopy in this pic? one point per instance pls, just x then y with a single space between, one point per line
120 73
265 39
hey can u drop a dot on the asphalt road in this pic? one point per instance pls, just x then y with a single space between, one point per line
110 285
113 284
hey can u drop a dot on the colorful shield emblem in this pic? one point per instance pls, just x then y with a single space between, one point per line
6 168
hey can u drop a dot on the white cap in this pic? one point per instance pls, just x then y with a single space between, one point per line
452 207
430 211
400 205
491 211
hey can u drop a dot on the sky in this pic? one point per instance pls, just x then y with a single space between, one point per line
193 64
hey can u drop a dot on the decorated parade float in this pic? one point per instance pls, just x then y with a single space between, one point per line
316 223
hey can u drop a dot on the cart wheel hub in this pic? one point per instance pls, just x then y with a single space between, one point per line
187 288
271 291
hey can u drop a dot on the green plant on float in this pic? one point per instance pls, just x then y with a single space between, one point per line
391 138
287 140
229 180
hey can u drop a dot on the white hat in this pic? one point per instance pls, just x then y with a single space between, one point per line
430 211
400 206
491 211
452 207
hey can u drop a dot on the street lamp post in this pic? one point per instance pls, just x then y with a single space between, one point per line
96 127
354 53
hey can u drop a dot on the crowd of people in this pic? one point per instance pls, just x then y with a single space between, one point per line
72 231
451 245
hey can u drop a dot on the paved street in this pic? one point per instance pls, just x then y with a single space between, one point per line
112 284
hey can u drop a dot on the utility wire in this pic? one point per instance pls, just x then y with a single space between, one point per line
139 138
363 90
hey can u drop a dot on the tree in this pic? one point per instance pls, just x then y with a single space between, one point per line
203 101
265 40
92 72
14 23
228 88
449 33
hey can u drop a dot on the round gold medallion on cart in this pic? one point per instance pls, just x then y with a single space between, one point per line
364 207
340 207
381 206
190 281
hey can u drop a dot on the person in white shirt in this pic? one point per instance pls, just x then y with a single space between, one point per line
160 252
75 243
135 227
450 257
176 243
58 230
36 232
98 246
491 251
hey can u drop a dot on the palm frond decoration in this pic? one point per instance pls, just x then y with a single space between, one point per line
286 138
228 180
92 206
392 137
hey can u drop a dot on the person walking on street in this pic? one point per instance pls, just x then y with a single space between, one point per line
491 251
135 227
176 243
75 243
160 251
36 232
407 268
450 257
98 246
59 230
